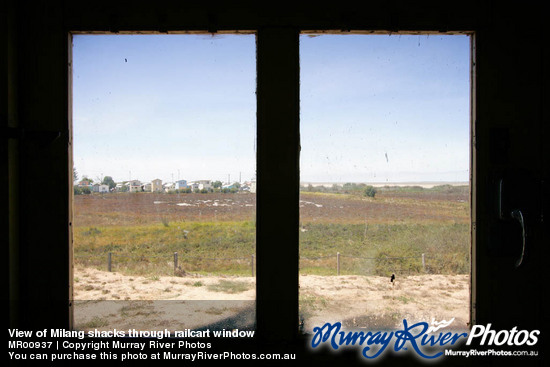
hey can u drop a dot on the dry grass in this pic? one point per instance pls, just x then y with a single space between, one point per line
215 233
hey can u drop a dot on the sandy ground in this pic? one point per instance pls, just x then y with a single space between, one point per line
105 301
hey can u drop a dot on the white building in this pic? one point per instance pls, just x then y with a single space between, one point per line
205 184
201 184
169 186
100 188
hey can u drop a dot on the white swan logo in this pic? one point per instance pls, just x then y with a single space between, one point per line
436 325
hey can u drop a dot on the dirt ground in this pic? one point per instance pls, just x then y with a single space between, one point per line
105 301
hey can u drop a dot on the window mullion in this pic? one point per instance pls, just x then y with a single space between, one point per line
278 183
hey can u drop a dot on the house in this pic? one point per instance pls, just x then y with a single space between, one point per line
200 185
204 184
100 188
245 186
121 187
180 184
134 186
230 186
156 186
146 187
85 183
169 186
253 186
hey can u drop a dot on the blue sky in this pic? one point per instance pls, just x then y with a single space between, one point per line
153 106
373 108
382 108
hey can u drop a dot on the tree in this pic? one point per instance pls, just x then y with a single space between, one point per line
75 174
108 180
217 184
82 190
86 178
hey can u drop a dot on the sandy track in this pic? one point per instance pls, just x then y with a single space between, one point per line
106 300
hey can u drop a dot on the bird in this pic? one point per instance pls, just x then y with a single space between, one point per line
180 272
392 278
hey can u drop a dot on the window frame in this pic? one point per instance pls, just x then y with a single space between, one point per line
277 211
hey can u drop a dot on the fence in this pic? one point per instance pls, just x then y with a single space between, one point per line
337 264
340 264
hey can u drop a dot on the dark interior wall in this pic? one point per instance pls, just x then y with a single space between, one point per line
510 134
510 142
511 138
38 181
38 160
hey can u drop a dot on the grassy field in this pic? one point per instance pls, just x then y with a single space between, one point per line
215 233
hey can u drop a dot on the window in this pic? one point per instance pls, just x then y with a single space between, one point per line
164 181
384 196
331 180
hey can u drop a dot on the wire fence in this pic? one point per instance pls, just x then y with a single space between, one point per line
337 264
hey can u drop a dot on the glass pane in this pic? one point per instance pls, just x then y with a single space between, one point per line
164 195
384 201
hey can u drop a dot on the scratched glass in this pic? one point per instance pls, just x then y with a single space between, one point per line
384 196
164 182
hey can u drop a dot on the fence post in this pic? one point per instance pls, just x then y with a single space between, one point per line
338 263
423 263
109 261
252 264
175 262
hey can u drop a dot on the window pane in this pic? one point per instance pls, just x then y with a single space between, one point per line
384 206
164 204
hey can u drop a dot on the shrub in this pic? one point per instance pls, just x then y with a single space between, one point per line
370 191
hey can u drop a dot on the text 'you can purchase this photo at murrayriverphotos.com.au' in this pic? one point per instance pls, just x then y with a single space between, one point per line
57 345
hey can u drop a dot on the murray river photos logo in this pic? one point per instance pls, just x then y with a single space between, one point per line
427 341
